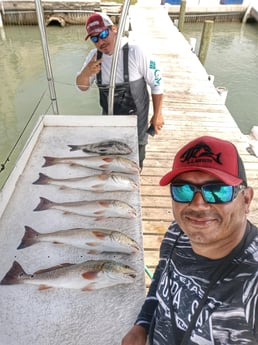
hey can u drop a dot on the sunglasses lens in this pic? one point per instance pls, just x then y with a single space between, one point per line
217 194
211 193
94 39
182 193
104 34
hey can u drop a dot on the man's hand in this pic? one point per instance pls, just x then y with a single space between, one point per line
157 122
136 336
92 68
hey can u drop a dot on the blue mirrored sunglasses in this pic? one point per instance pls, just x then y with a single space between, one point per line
102 35
212 193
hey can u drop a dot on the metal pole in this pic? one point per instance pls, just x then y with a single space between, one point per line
121 27
44 43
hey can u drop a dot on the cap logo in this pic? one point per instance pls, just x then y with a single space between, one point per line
200 153
96 22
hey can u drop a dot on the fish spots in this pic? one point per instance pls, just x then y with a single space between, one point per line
104 203
99 234
90 275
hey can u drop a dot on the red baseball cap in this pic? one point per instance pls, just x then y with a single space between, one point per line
96 23
215 156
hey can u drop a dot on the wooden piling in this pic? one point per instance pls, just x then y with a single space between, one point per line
205 40
182 15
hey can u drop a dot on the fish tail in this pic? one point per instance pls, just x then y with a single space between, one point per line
43 179
73 147
12 276
49 161
29 238
44 204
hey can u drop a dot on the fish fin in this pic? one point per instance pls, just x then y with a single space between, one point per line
73 147
90 275
93 252
43 179
104 176
13 275
99 212
44 204
29 238
98 187
104 166
44 287
90 287
91 244
63 187
97 219
49 161
44 270
69 212
99 234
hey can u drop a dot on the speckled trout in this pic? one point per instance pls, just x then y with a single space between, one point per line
106 163
100 209
107 147
86 276
93 240
97 183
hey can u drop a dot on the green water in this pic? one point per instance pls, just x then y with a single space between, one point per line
233 60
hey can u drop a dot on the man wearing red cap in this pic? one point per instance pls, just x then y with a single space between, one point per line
205 287
135 70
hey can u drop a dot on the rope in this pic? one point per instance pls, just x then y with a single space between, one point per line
148 272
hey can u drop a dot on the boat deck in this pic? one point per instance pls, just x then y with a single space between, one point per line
192 107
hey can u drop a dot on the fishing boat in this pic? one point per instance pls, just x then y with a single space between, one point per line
30 315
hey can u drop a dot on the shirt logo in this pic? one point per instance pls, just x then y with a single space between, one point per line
152 64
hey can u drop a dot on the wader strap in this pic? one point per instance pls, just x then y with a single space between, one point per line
125 62
99 76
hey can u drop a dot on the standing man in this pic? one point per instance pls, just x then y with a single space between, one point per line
205 287
135 70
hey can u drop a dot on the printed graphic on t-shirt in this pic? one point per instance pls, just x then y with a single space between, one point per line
218 323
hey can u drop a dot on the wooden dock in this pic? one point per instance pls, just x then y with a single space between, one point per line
192 107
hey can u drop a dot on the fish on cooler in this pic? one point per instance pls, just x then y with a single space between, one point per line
97 183
93 240
100 209
86 276
105 163
107 147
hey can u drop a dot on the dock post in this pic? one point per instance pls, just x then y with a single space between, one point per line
205 40
182 15
2 28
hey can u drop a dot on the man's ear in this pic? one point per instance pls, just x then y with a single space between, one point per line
114 29
248 196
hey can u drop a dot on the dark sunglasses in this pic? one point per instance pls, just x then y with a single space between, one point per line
102 35
212 193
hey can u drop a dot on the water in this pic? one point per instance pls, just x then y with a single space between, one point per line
24 91
232 59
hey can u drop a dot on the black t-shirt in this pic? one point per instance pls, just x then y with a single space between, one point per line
230 312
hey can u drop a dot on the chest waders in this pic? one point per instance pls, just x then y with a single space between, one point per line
130 98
